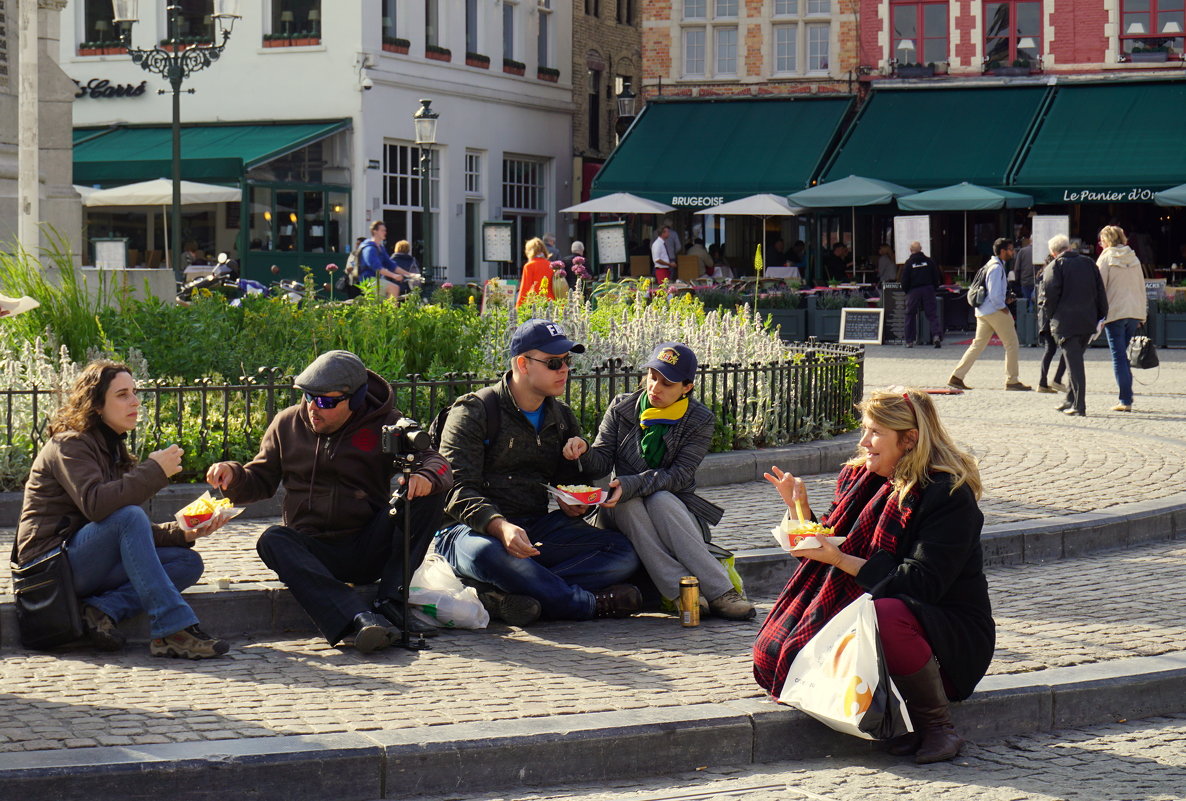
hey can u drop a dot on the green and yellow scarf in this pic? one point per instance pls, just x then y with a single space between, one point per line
655 423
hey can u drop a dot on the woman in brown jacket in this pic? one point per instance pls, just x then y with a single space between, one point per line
84 494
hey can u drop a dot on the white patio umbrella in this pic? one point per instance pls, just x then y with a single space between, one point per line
619 203
159 192
761 205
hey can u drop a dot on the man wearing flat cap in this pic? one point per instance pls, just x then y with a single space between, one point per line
326 452
527 561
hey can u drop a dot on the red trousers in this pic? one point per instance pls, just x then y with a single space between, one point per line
903 640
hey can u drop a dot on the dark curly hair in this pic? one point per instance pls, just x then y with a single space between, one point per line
83 406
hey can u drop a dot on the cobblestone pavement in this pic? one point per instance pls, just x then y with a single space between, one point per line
302 686
1143 760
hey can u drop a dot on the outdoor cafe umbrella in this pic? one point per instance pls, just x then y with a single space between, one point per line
619 203
762 205
159 192
1174 196
965 197
852 191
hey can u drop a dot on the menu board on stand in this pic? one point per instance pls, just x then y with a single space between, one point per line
893 301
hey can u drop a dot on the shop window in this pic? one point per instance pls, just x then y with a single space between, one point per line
543 43
1012 33
725 50
523 193
694 52
1153 27
295 20
402 202
919 32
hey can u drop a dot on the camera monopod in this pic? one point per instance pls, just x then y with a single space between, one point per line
401 494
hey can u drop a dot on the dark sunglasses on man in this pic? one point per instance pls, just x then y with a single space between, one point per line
325 401
553 362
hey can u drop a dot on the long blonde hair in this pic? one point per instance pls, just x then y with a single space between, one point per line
935 452
534 249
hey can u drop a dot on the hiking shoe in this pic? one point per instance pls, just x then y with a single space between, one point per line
372 632
189 643
732 606
1060 386
1046 388
1017 386
101 630
955 382
1122 407
618 600
512 609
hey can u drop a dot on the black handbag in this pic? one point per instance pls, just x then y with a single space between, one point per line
1141 353
47 611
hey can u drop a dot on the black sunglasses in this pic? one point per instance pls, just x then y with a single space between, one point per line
325 401
553 362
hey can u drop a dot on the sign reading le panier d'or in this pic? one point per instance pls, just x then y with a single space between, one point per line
1134 194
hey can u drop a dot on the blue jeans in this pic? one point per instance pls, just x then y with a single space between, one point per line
119 570
1120 333
575 559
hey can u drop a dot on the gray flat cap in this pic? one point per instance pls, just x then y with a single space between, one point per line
332 371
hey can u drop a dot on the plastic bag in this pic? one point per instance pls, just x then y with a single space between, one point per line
438 597
839 678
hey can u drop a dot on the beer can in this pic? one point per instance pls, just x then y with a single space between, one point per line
689 601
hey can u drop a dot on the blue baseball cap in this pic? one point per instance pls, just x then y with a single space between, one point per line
543 335
675 362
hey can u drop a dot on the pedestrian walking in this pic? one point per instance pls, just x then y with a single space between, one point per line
1124 285
1051 349
538 277
993 317
1077 306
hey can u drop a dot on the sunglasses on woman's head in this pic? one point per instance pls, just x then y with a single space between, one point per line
553 362
325 401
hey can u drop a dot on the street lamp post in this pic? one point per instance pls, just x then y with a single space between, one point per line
175 62
425 122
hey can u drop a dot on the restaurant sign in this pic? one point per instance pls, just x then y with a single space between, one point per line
696 201
101 88
1133 195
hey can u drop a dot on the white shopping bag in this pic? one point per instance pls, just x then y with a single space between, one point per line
440 599
840 678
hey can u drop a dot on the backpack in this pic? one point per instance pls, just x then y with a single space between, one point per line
489 398
978 289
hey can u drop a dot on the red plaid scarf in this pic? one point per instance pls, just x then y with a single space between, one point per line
865 511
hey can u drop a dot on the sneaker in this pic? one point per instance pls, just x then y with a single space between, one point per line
1058 385
1122 407
371 632
618 600
1062 407
1046 388
732 606
955 382
101 630
1017 386
514 610
938 343
910 344
189 643
1074 413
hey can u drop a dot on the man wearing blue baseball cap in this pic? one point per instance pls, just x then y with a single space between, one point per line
505 444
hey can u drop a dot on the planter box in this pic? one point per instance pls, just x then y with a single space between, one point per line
509 70
1149 58
915 72
552 77
792 323
395 48
1171 330
823 324
438 55
480 63
1010 71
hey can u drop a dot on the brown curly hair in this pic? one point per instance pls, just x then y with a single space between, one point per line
82 409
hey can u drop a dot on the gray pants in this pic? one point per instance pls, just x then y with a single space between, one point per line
667 538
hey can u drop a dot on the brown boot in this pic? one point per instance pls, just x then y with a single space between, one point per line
619 600
926 700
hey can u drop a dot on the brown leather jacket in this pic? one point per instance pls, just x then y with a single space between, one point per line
335 483
76 479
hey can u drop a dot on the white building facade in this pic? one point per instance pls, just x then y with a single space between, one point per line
309 110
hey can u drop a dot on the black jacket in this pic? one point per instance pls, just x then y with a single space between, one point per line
920 270
938 572
1073 295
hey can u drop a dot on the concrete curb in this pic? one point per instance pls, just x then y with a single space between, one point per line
469 757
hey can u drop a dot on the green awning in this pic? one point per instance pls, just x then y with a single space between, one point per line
209 153
929 138
700 153
1110 143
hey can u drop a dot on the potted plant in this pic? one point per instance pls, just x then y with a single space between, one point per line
438 53
1170 322
1149 54
548 74
1020 66
509 65
477 60
785 311
916 70
394 44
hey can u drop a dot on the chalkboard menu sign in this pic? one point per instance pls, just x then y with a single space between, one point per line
893 299
1155 288
861 326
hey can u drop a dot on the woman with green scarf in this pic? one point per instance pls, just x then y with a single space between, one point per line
654 439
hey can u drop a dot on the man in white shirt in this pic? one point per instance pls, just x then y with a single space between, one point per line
993 317
663 264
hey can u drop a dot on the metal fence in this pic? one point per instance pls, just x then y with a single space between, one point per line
807 396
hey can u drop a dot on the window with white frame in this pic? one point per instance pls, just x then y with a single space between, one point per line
97 25
725 50
801 33
473 173
522 185
694 52
403 205
724 9
695 9
543 40
508 30
296 18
